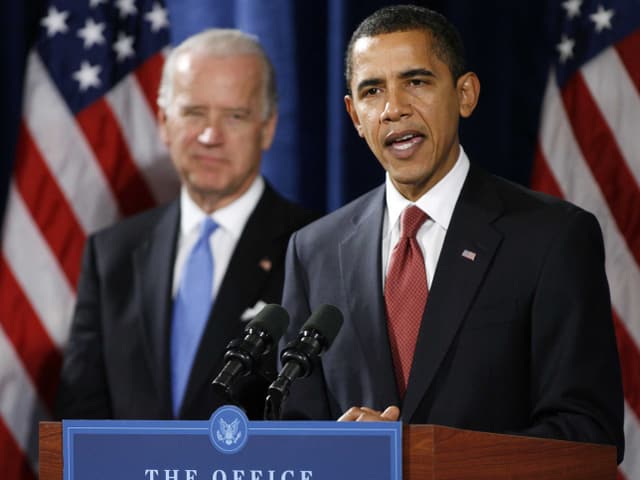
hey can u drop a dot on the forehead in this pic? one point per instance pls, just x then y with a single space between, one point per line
393 52
225 75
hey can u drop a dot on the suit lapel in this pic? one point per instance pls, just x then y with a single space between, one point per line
361 272
153 266
240 289
456 281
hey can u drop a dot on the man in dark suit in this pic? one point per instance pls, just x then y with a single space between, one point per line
468 301
133 352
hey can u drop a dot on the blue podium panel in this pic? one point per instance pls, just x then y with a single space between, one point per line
229 447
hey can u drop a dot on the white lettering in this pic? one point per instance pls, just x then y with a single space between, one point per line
151 474
191 474
171 475
241 474
256 474
219 475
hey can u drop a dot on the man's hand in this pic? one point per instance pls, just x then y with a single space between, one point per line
365 414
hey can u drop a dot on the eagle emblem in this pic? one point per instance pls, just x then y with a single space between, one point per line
228 433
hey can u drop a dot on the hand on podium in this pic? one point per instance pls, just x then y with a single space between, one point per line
365 414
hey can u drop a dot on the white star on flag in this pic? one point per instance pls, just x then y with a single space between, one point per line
96 3
92 33
55 22
87 76
572 7
157 17
602 18
565 47
123 47
126 7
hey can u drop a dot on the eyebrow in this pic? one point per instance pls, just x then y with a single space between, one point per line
417 72
369 82
414 72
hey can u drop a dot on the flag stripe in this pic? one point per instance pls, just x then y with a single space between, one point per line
104 135
618 101
541 175
48 206
148 76
13 462
140 130
39 355
19 400
557 145
65 150
599 149
628 51
36 269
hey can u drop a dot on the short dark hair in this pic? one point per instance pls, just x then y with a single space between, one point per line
447 43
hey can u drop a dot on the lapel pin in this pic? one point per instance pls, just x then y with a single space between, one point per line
266 264
469 255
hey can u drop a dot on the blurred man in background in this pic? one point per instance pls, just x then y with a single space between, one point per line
162 293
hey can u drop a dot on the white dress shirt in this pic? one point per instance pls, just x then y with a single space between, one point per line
438 203
231 220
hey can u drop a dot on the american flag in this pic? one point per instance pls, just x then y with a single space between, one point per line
589 153
88 153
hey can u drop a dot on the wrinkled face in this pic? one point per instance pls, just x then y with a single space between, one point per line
406 105
215 127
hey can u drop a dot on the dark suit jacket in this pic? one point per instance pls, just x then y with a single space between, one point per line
117 361
518 340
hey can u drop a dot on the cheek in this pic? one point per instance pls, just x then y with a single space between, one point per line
369 126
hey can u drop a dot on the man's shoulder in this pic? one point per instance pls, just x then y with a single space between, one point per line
519 199
132 230
276 214
371 202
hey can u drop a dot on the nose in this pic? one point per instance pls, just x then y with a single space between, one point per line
210 135
206 135
396 107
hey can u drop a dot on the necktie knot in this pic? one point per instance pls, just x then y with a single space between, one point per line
207 227
411 220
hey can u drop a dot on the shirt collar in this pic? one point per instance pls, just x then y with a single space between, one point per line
438 202
231 218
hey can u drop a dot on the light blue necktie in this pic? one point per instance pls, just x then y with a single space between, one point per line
190 311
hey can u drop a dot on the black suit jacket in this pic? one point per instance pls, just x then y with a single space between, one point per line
117 363
519 339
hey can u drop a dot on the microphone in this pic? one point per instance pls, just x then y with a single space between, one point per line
243 354
299 355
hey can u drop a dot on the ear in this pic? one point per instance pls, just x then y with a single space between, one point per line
351 110
269 131
468 87
162 126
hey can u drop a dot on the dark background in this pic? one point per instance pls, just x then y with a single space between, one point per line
318 159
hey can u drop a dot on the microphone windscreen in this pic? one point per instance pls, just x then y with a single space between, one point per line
273 319
326 320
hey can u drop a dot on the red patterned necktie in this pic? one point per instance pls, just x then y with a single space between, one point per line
405 294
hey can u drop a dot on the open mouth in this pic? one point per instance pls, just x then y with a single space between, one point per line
404 142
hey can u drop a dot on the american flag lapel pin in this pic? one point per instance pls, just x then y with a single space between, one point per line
266 264
469 255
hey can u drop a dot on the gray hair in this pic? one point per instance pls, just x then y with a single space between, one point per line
220 42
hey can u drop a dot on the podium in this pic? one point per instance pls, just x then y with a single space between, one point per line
431 452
